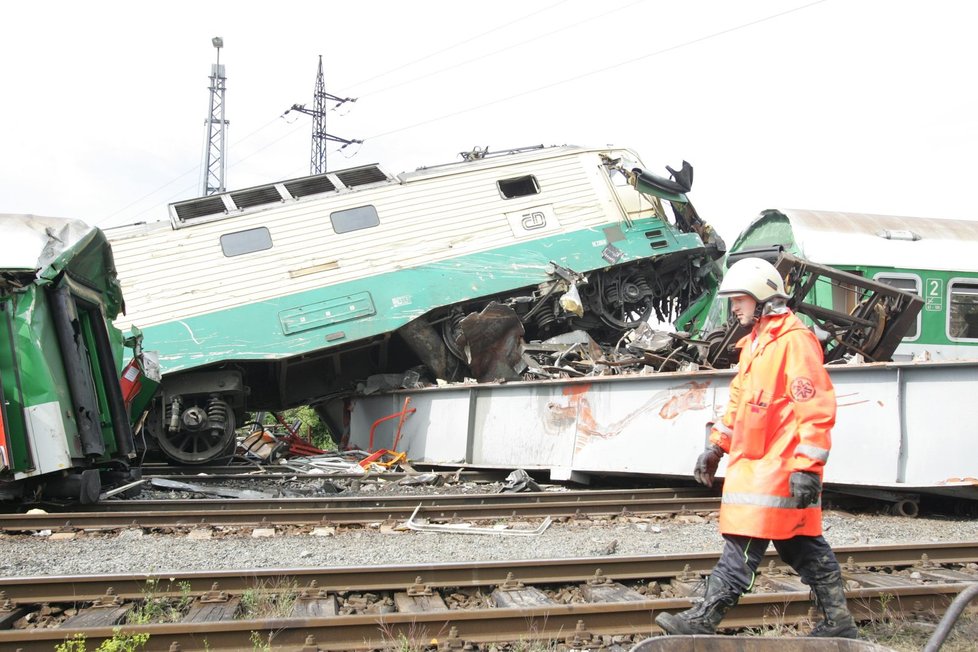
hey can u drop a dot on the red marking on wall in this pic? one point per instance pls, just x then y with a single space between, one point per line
577 390
693 398
577 413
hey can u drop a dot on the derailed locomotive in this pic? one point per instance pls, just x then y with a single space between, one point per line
292 293
67 398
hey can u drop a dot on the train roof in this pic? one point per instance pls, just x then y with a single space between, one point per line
839 238
41 249
32 242
334 182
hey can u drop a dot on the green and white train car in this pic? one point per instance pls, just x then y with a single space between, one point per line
67 397
290 293
933 258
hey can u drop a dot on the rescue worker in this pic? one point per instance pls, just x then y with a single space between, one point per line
776 428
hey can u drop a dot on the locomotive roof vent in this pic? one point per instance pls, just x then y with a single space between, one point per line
215 207
899 234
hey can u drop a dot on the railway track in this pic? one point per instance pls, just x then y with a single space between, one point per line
361 509
587 603
283 471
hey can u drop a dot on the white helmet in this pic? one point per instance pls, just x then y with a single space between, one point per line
755 277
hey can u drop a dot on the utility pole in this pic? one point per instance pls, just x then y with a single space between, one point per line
317 162
215 163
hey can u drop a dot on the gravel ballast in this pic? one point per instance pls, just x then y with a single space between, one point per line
134 551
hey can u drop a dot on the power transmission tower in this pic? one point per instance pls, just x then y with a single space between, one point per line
317 162
215 164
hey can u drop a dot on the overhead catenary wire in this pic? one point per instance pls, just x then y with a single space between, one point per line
596 71
193 170
493 53
197 168
487 103
464 42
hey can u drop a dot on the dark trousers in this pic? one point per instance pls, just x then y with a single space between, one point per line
811 557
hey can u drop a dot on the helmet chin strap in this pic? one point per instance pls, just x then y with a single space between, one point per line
773 306
758 313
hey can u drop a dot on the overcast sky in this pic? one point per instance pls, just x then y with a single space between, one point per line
858 105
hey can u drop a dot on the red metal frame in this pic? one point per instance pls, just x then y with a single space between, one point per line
403 414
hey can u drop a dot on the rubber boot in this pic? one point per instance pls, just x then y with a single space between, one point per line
830 599
705 616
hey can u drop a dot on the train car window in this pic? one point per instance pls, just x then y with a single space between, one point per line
354 219
518 187
246 242
907 284
962 317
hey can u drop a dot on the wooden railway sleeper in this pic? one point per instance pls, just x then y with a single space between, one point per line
555 616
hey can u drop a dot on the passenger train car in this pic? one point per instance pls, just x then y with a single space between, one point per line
293 292
932 258
67 401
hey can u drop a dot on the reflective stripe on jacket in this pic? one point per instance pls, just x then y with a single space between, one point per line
778 420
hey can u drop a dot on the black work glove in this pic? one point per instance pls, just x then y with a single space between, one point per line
706 465
805 486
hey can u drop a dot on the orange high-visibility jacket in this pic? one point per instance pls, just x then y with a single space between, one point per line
779 420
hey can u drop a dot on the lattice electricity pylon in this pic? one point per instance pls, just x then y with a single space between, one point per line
215 163
317 161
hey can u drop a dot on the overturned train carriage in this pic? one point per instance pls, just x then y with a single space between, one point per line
292 293
67 399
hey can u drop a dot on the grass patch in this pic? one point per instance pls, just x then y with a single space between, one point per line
274 599
118 643
905 634
157 608
887 626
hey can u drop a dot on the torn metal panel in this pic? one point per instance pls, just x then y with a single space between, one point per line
221 492
467 528
428 345
492 340
519 480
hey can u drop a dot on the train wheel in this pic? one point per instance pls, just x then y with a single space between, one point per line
204 434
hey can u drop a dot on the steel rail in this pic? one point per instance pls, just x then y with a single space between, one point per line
402 500
238 512
548 623
81 588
